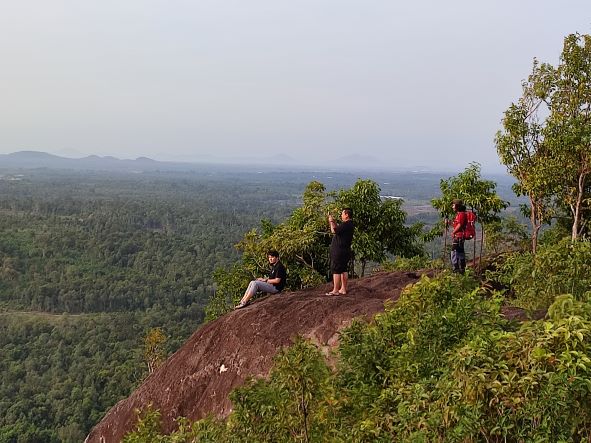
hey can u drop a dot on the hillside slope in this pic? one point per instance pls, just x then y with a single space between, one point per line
196 380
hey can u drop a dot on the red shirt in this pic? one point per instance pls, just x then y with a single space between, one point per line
460 220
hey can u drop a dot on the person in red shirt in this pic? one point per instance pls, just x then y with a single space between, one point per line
458 255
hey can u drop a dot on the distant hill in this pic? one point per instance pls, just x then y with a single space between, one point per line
276 161
37 159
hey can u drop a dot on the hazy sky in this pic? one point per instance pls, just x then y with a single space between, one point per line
404 82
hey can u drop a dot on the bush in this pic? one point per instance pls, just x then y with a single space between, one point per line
507 234
411 264
536 280
390 367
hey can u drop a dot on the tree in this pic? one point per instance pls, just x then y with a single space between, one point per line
546 137
568 130
521 149
379 224
477 194
154 352
301 240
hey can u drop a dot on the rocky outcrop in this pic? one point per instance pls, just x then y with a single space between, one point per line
196 380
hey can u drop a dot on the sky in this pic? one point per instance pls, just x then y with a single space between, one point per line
393 83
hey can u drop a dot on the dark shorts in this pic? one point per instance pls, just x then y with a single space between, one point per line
339 262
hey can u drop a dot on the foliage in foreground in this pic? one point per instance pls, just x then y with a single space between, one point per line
442 364
560 268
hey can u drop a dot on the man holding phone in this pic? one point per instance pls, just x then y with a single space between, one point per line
340 250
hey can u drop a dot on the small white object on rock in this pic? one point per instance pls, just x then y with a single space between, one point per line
223 368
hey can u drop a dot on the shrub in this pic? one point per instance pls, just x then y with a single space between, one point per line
411 264
536 280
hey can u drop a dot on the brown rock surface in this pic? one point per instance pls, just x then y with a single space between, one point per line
196 380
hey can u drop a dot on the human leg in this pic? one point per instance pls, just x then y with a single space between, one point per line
250 291
339 263
455 259
344 280
253 287
462 259
458 256
336 283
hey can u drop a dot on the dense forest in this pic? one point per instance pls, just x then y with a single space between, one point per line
92 262
89 264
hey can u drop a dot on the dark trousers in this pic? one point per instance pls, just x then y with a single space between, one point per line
458 255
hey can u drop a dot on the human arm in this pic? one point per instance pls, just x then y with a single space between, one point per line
277 275
273 281
332 223
459 224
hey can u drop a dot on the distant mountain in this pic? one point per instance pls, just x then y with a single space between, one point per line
278 161
37 159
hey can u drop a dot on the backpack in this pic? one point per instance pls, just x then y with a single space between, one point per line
470 228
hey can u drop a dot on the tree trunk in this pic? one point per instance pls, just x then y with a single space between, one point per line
481 244
577 208
474 253
445 242
535 226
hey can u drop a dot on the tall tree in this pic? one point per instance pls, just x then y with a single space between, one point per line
154 352
380 224
546 137
478 195
568 131
521 149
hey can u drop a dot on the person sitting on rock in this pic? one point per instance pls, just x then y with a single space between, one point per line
271 285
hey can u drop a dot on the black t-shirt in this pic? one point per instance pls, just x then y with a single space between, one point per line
343 236
278 271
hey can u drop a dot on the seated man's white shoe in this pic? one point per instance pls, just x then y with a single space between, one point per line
242 305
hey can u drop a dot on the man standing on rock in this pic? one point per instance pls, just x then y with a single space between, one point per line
458 255
271 285
340 250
